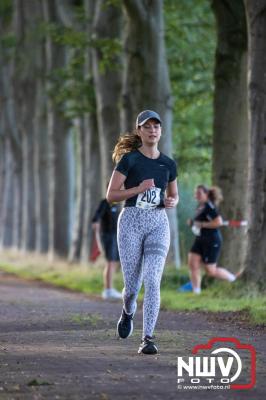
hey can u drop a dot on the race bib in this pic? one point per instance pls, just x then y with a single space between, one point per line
149 199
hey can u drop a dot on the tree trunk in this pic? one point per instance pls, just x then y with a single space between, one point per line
107 82
17 210
2 167
41 169
91 192
256 252
59 149
90 134
92 160
75 247
10 150
79 248
28 192
7 197
19 86
230 131
48 13
146 83
64 184
10 135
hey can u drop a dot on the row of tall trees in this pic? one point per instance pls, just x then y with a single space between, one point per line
256 250
75 73
239 162
230 130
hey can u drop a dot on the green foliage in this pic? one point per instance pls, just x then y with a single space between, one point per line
71 90
112 3
65 36
8 45
71 87
109 50
190 40
6 9
8 41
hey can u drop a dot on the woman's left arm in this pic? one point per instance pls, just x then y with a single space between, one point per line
213 224
172 196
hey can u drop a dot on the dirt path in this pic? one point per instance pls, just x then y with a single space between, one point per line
56 344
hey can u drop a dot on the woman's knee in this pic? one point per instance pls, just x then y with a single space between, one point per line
210 270
130 293
112 265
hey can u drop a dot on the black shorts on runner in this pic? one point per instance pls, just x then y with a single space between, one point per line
109 243
207 248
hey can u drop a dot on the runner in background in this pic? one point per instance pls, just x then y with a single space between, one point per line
104 223
207 245
146 179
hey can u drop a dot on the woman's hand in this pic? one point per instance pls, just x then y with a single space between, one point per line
172 197
198 224
146 184
170 202
96 226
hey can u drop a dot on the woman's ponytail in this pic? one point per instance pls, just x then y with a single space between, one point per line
214 193
126 143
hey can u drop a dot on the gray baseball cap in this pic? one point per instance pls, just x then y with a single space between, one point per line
145 115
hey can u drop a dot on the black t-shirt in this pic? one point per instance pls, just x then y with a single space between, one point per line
107 214
206 213
137 167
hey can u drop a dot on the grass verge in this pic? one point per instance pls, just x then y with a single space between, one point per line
216 297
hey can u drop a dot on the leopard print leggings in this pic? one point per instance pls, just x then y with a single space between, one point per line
143 242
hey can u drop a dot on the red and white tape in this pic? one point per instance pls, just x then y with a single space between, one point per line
232 223
235 223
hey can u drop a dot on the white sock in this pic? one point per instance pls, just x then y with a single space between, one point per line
197 290
231 277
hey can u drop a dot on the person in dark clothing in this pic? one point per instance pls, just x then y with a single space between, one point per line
104 223
207 245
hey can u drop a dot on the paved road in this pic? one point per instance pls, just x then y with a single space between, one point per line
56 344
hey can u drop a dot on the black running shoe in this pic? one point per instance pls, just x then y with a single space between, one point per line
125 325
147 346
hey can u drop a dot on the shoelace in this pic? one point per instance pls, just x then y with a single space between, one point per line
126 317
148 339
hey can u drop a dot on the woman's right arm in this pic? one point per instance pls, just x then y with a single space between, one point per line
116 194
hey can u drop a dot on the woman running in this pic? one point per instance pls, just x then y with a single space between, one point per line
207 245
146 179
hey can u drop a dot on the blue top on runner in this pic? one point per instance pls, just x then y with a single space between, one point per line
137 167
